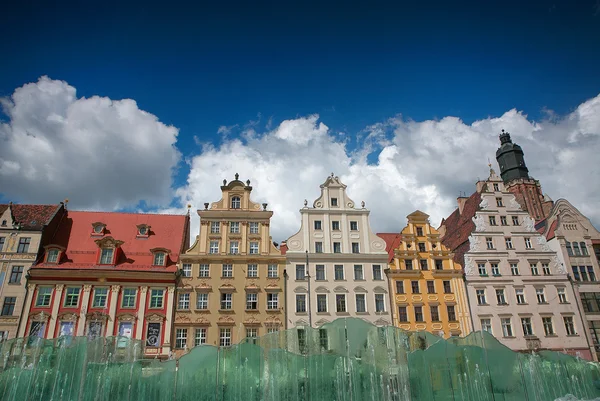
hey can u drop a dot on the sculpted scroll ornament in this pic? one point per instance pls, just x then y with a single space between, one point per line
484 204
513 204
469 266
475 242
559 266
479 222
529 224
541 240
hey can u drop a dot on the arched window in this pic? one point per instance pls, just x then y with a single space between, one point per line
569 249
236 203
576 249
584 250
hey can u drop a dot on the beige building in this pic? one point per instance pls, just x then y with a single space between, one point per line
232 283
24 230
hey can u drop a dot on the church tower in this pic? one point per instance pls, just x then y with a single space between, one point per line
515 175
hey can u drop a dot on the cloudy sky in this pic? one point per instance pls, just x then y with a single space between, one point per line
151 109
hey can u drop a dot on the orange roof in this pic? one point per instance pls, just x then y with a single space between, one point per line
392 241
459 227
31 217
74 233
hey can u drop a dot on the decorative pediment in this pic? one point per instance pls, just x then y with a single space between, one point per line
97 316
98 228
67 317
321 322
109 242
126 317
300 290
360 289
322 289
251 321
204 286
252 286
39 317
165 250
302 322
179 318
382 322
227 287
202 320
226 321
273 321
156 317
54 246
340 289
379 289
272 286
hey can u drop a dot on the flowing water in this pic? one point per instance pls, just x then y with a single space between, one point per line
350 361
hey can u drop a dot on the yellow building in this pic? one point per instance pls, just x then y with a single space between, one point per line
428 287
232 282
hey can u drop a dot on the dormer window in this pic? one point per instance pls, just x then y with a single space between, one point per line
159 256
106 256
98 228
3 223
52 256
236 202
143 230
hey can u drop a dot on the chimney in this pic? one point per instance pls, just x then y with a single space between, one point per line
461 203
283 247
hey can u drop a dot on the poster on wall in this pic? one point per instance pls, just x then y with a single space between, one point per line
153 335
95 330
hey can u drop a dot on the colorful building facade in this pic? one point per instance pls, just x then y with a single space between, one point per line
426 283
232 285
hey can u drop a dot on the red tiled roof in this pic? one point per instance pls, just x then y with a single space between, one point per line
459 226
392 241
74 234
32 217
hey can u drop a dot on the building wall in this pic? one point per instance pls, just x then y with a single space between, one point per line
406 270
339 222
528 192
191 320
538 254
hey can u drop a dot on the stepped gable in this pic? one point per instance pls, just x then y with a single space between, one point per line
459 227
392 241
31 217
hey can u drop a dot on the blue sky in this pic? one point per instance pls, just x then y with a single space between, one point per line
205 66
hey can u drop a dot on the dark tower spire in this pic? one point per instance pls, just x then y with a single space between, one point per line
511 160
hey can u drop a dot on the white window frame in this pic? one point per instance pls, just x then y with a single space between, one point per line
224 337
234 247
272 301
183 303
187 269
202 300
364 301
200 336
252 270
204 270
234 227
215 227
254 229
227 270
214 247
254 247
272 271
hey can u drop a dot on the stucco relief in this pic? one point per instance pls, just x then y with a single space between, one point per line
479 221
484 204
529 224
475 242
513 204
560 268
295 244
469 265
541 240
377 245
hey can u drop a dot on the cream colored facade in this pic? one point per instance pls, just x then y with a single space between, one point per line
346 263
232 285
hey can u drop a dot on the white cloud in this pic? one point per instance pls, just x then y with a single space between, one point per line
97 152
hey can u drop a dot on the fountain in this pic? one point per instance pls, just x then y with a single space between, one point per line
350 361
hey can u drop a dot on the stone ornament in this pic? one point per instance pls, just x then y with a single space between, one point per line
479 221
484 204
541 240
469 266
475 242
529 224
513 204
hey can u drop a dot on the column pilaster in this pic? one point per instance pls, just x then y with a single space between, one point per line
85 301
26 309
114 299
168 321
141 313
55 306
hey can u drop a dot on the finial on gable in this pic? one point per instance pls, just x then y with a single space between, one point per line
305 203
189 206
205 205
362 204
331 175
224 182
248 182
237 176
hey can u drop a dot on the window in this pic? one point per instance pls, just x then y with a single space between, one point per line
320 272
272 301
302 340
317 224
377 272
500 296
503 221
72 297
514 269
226 300
337 247
379 303
340 302
548 326
534 269
591 273
251 332
321 303
339 272
481 297
129 296
8 307
44 296
506 327
584 250
335 225
451 313
414 285
15 275
435 316
202 301
253 227
399 287
520 294
358 272
100 296
184 301
447 287
569 325
234 227
52 256
156 298
486 325
545 269
272 271
252 270
528 243
227 270
496 187
300 272
499 202
94 330
515 220
225 337
236 202
187 270
300 303
1 247
509 244
562 297
402 314
159 259
569 249
439 264
251 301
215 227
200 337
205 270
334 202
422 247
495 269
419 231
253 248
318 247
23 245
526 324
430 287
418 313
234 247
423 264
214 247
492 220
361 303
323 339
408 264
353 226
106 256
481 269
576 249
355 247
